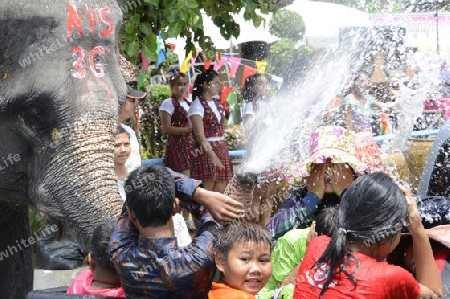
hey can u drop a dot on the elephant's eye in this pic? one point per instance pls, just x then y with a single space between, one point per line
34 116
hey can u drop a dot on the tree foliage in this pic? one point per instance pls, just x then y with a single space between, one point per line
145 19
287 24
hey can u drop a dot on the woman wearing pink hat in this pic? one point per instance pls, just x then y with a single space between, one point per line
330 169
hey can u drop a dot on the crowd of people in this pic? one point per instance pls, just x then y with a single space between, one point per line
333 237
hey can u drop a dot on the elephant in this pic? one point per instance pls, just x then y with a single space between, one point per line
60 86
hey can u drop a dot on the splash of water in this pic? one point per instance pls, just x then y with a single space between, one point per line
285 125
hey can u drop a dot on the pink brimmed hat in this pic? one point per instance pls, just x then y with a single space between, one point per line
335 143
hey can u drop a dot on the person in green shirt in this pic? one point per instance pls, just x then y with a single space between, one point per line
289 251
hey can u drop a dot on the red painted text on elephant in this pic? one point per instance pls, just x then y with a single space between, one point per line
101 15
96 57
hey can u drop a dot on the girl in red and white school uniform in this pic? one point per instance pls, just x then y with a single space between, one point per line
211 161
173 113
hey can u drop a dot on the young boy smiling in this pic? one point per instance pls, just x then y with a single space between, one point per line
242 255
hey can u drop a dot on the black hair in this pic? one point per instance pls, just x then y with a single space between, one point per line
151 195
174 79
240 231
327 221
206 76
372 209
98 245
352 86
248 94
120 130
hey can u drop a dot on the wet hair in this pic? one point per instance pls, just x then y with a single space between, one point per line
248 94
175 78
206 76
98 245
327 221
352 86
372 209
151 195
120 130
240 232
397 257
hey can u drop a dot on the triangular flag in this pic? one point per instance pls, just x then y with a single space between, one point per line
194 59
172 46
261 66
145 62
248 71
159 43
184 68
219 62
234 64
207 64
225 92
161 57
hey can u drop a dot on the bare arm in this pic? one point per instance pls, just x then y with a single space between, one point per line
167 128
427 273
222 208
199 133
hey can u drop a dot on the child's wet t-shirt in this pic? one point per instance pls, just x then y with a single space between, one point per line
373 279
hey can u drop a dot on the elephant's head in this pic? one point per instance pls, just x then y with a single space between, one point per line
59 90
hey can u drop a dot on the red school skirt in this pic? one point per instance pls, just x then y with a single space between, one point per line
178 152
202 167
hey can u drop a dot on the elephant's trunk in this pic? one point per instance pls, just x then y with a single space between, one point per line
80 177
241 188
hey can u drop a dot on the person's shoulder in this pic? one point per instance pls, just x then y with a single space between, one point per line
127 128
318 243
383 270
295 234
167 102
166 105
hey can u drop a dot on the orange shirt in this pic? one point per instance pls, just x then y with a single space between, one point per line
222 291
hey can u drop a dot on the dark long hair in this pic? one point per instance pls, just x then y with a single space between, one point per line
248 94
352 86
206 76
372 209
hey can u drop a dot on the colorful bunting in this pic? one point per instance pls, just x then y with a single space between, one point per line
261 66
234 64
225 92
194 59
159 43
219 62
248 71
145 62
207 64
161 57
184 68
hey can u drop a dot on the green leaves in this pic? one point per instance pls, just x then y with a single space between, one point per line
149 46
287 24
132 48
182 18
145 28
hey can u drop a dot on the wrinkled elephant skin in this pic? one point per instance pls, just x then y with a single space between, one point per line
59 88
